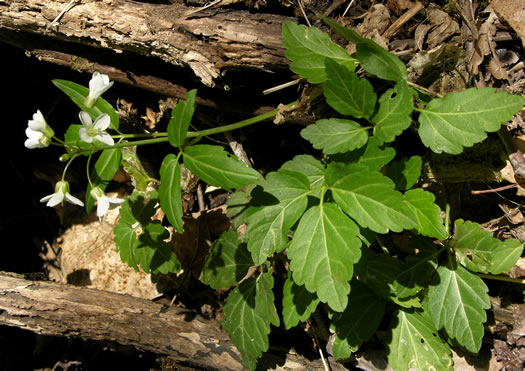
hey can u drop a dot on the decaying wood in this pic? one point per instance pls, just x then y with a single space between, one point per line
55 309
208 44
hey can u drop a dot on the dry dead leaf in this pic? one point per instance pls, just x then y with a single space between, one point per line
512 12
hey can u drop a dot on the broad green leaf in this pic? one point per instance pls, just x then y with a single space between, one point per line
463 118
335 135
170 191
248 314
140 240
373 155
298 303
427 213
457 302
105 168
360 320
415 344
132 165
322 253
237 204
214 166
228 262
308 48
346 92
78 94
369 198
180 120
268 226
405 172
309 166
393 116
371 56
477 250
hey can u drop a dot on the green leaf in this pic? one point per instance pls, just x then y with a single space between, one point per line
228 262
463 118
308 48
477 250
268 226
180 120
298 303
346 92
103 172
393 116
140 240
322 253
373 155
457 302
405 172
371 56
309 166
335 135
78 94
361 318
213 165
415 344
369 198
170 191
248 313
237 203
427 213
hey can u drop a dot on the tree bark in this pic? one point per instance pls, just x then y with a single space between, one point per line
50 308
106 35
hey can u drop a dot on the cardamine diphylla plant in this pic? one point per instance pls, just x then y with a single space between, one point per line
331 221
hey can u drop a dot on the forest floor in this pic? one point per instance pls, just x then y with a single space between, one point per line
447 46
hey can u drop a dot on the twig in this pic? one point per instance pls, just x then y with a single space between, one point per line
66 9
348 7
300 2
426 90
409 14
282 86
504 188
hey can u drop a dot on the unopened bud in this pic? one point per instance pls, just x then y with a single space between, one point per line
64 158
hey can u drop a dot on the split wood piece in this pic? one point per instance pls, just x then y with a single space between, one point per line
50 308
408 15
210 45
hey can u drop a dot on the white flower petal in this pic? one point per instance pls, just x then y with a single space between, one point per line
114 201
98 85
46 198
56 198
85 119
105 138
33 139
102 207
38 123
83 135
73 200
102 122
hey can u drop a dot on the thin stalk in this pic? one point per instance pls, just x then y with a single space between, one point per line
502 278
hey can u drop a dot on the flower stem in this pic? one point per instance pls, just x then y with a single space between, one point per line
502 278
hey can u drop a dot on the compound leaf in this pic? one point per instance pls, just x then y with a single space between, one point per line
415 344
372 155
268 226
308 48
371 56
227 263
369 198
309 166
322 253
248 313
427 213
170 191
393 116
463 118
213 165
477 250
346 92
180 120
360 320
335 135
457 302
298 303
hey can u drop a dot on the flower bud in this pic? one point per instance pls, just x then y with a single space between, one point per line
64 157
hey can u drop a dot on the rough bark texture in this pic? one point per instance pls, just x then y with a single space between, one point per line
55 309
110 35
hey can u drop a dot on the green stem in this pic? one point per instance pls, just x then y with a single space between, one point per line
502 278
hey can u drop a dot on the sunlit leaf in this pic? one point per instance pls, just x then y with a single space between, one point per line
298 303
372 155
107 165
170 191
427 213
309 166
335 135
180 120
405 172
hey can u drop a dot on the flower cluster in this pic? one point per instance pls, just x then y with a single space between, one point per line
39 135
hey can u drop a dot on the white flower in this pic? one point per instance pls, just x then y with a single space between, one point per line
98 85
61 193
95 130
38 132
104 203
